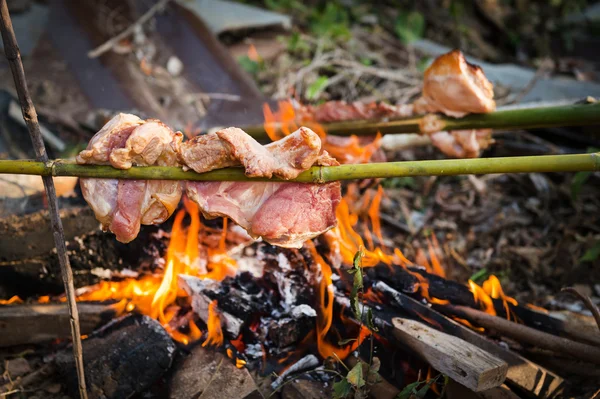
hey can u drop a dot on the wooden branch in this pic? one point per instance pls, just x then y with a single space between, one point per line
587 301
103 48
526 334
465 363
461 361
13 55
522 373
37 323
459 294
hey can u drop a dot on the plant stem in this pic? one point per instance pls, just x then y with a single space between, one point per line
526 118
320 174
13 56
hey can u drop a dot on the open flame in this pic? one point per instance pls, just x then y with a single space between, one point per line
285 120
156 295
492 289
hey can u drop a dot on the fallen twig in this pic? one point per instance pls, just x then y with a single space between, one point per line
13 55
106 46
526 334
587 301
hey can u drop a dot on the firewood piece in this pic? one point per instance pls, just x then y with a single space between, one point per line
522 373
289 330
209 374
122 359
32 324
444 352
528 335
463 362
459 294
195 288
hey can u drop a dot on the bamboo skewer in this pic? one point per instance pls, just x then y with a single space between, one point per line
13 56
526 118
320 174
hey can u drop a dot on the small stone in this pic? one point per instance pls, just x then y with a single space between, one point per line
174 66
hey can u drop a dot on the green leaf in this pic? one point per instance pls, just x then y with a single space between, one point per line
315 89
408 390
370 321
425 388
355 376
479 275
577 183
248 65
591 254
357 284
346 341
341 389
410 26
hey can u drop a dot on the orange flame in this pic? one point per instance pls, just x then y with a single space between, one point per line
482 298
155 295
493 288
12 300
346 150
215 333
325 316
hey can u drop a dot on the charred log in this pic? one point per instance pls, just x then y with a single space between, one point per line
122 359
287 331
404 280
36 323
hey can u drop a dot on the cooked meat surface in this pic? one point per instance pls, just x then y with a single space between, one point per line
462 143
122 205
285 158
454 87
335 111
283 214
451 86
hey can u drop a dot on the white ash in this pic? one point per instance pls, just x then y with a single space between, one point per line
101 272
174 66
303 310
306 363
254 351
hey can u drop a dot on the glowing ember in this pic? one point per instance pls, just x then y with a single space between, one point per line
14 299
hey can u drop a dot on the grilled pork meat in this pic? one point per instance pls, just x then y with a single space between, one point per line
283 214
123 205
451 86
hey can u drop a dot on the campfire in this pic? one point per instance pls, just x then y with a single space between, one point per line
235 269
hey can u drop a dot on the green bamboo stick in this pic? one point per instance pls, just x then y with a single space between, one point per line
526 118
321 174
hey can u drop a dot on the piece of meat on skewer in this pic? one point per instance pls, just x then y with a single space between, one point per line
451 86
283 214
123 205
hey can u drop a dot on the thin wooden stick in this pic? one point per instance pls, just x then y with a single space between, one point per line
587 301
13 55
104 47
526 334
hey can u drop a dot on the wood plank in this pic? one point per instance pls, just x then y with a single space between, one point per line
522 373
31 324
463 362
